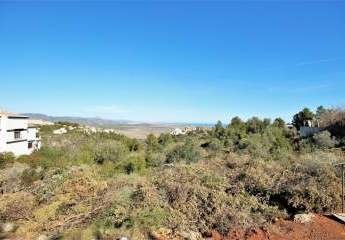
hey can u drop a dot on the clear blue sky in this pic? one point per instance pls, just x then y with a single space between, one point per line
165 61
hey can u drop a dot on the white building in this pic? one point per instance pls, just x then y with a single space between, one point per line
178 131
16 135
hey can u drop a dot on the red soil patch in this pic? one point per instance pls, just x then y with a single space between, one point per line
321 228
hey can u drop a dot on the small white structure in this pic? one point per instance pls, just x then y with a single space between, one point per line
16 135
60 131
178 131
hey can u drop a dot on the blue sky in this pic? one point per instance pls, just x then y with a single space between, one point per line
171 61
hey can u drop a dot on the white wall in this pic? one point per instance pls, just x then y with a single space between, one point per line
2 133
17 123
31 134
36 142
10 135
18 148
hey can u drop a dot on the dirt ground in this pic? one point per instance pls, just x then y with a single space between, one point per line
321 228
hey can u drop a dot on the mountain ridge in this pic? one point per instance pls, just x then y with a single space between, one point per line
102 122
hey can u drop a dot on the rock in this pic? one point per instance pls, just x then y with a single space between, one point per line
8 227
156 236
39 169
303 218
43 237
160 234
123 238
191 236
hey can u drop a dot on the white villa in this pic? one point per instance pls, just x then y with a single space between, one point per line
16 135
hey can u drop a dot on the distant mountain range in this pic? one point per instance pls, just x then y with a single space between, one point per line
81 120
100 122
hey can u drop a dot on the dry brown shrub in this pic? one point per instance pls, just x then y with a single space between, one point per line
16 206
334 121
84 184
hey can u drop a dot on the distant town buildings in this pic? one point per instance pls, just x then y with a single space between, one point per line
86 129
179 131
17 135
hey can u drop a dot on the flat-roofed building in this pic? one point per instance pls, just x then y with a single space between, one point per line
16 135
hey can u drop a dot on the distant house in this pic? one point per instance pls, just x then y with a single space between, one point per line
16 135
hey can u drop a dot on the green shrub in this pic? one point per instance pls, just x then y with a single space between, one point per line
117 216
155 159
200 201
308 185
6 158
88 233
134 145
271 144
152 143
187 152
51 157
279 122
133 164
165 139
112 151
255 125
324 140
215 146
152 218
31 175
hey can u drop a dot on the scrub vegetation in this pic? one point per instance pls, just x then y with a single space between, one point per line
105 186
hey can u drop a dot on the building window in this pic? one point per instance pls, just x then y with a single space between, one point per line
17 135
29 145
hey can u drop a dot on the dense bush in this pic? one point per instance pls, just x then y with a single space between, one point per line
109 150
300 186
200 201
214 146
152 143
334 121
324 140
187 152
155 159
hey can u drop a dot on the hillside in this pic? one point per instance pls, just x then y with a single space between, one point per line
247 180
132 129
